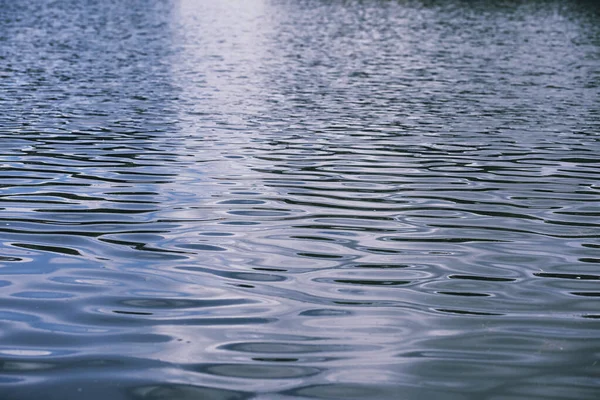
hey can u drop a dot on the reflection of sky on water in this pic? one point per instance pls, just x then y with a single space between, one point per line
236 71
222 50
258 212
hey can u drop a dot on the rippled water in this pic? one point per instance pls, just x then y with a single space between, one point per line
299 200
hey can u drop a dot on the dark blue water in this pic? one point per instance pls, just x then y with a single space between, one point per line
299 200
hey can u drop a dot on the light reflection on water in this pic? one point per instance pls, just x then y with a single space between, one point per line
281 200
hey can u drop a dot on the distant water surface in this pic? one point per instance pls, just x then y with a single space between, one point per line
283 200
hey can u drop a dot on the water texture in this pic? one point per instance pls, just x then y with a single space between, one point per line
299 200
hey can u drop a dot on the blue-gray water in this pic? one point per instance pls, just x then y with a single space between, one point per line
299 200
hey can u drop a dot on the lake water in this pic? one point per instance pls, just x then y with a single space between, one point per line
307 199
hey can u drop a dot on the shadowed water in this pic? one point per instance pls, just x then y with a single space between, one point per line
299 200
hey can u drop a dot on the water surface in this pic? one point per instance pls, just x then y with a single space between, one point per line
299 200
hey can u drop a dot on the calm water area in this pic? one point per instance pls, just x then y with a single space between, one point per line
296 200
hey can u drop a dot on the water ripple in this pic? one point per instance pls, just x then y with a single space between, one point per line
299 200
